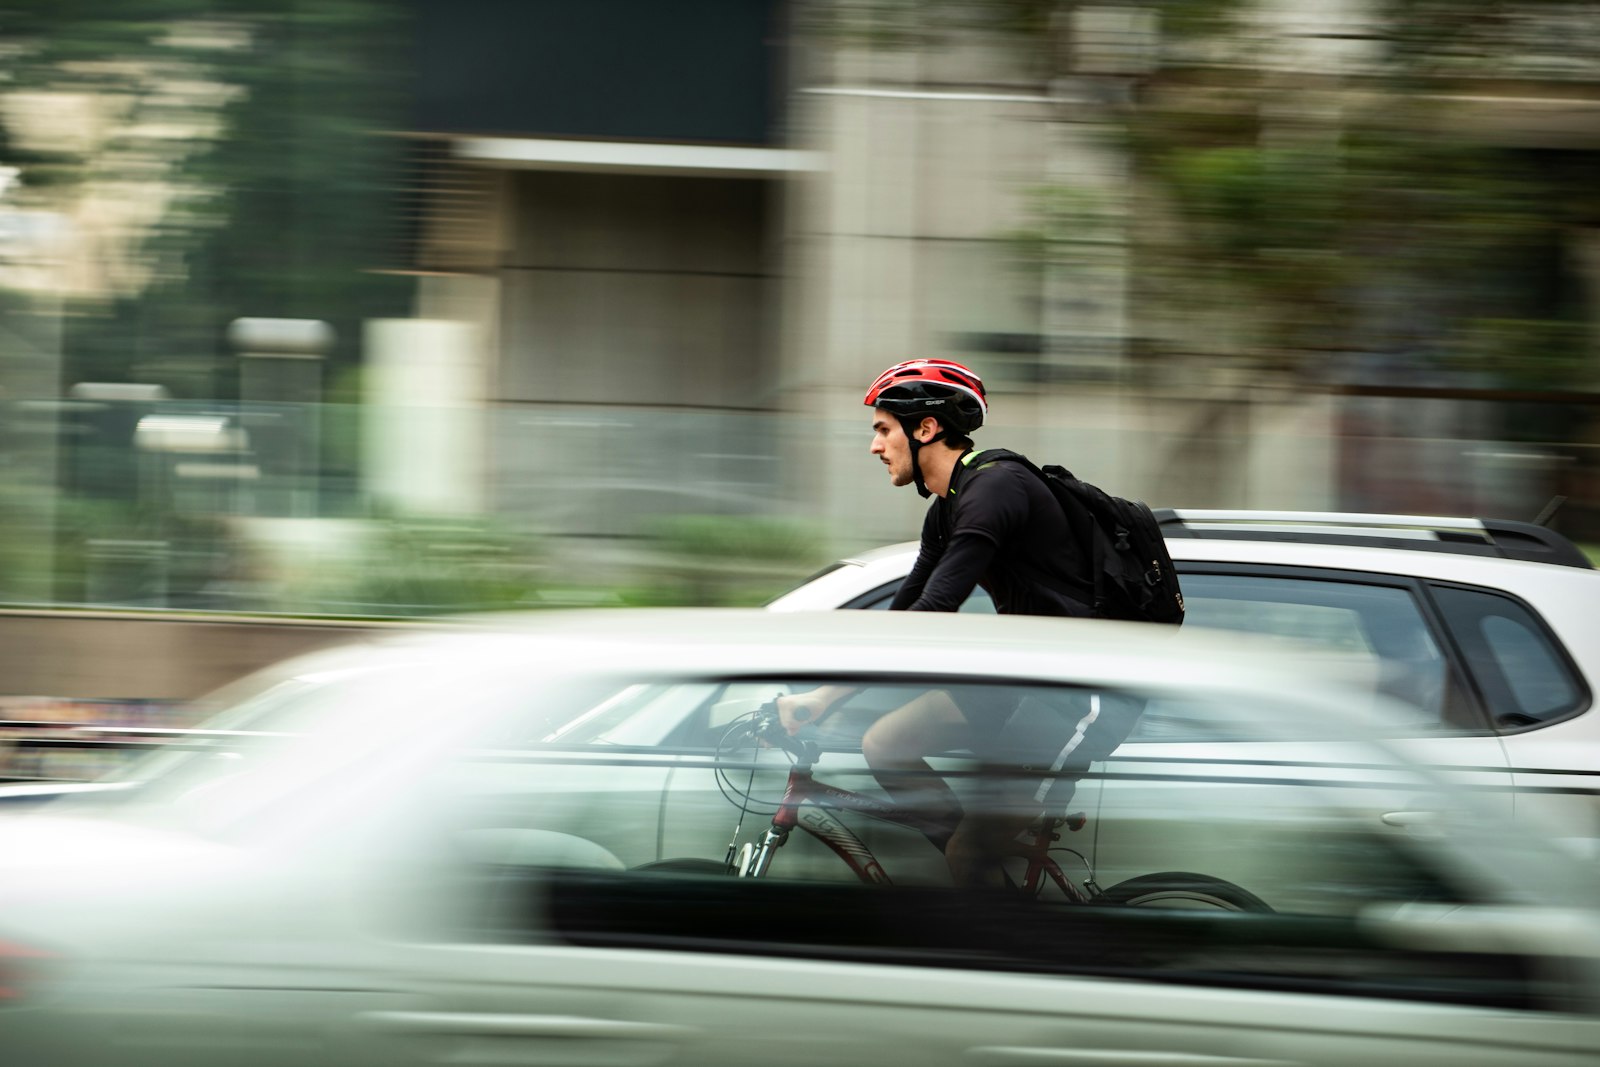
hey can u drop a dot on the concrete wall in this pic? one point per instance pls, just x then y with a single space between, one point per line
624 289
637 350
103 655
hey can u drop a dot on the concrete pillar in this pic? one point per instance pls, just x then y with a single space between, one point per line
424 430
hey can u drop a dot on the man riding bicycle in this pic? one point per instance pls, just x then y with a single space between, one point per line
998 526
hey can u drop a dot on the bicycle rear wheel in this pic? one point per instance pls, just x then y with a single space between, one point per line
1182 889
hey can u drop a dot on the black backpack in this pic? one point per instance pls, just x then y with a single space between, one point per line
1133 576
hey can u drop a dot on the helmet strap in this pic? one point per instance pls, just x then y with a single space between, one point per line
916 445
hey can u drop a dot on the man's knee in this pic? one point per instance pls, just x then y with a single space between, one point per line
929 723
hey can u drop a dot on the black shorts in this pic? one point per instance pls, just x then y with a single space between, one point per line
1036 743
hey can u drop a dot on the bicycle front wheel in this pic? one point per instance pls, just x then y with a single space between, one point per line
686 865
1181 889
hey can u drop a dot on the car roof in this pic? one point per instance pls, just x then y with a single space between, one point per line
1443 566
1563 595
679 641
1438 565
1494 538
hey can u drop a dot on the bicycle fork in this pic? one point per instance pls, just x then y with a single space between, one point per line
755 857
752 859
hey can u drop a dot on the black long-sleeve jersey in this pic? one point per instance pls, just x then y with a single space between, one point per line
998 526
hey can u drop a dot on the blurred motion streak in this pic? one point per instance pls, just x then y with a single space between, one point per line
533 840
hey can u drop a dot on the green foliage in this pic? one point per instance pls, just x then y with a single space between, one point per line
287 206
427 567
1428 38
1062 219
1342 243
734 539
1526 354
726 560
1202 18
55 547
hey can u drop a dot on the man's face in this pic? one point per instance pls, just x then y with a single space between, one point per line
890 445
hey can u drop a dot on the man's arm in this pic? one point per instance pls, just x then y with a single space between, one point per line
956 575
992 506
805 709
928 557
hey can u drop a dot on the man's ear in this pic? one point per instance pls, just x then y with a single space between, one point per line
928 430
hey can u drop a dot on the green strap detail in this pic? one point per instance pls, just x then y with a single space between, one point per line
966 460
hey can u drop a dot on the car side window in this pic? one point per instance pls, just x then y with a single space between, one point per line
1377 635
1523 673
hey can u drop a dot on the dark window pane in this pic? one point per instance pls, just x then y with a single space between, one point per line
1518 664
978 603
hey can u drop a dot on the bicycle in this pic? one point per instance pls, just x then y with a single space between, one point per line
807 804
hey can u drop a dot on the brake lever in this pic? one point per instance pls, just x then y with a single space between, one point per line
769 728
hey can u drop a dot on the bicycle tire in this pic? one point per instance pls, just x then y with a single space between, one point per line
685 865
1182 889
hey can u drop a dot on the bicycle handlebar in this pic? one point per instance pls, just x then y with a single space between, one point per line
769 728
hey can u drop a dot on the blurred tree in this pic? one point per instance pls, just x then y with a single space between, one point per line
228 152
167 166
1379 241
1326 208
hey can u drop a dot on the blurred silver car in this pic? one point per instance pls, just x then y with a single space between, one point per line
519 845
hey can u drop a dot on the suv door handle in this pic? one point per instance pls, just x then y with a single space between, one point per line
486 1024
1410 818
1023 1056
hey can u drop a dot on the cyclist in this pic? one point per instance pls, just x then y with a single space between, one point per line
995 525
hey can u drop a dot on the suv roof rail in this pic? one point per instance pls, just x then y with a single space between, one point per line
1505 538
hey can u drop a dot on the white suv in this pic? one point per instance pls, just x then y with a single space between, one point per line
1491 629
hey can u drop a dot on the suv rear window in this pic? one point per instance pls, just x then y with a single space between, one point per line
1524 674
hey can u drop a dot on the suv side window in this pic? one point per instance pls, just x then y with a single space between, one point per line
1378 634
1523 673
978 603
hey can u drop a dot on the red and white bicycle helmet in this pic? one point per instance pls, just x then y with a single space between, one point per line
949 392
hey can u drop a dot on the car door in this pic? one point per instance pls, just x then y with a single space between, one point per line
1379 634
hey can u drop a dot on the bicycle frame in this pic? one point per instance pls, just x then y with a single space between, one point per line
805 806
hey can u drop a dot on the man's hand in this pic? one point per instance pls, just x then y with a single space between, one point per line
801 709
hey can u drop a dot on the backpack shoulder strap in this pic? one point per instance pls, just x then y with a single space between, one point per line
995 455
1079 520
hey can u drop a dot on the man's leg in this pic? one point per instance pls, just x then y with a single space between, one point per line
978 848
895 745
1045 743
